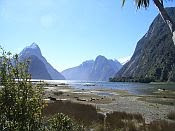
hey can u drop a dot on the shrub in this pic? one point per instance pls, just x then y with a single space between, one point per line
21 103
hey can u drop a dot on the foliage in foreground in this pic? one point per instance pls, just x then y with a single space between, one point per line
21 102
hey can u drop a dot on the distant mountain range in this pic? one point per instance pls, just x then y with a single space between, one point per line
80 72
99 70
39 68
154 56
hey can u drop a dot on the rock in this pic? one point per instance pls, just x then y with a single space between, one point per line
78 99
52 98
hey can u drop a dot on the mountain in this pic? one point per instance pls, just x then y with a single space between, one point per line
154 56
103 69
33 53
37 69
99 70
80 72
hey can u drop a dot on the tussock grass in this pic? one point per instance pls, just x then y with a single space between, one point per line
115 121
171 115
82 113
124 121
161 126
135 122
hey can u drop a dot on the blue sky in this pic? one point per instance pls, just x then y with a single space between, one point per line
72 31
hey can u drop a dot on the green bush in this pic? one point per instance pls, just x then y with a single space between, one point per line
21 103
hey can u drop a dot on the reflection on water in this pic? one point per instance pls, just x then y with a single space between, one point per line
135 88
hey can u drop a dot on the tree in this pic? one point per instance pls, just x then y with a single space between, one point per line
160 5
21 102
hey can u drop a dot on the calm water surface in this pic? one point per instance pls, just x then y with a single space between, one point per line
135 88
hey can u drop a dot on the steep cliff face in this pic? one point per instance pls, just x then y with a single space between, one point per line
154 55
33 52
37 69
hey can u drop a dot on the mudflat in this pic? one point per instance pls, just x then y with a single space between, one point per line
151 107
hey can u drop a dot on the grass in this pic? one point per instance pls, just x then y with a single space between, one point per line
171 115
135 122
161 126
82 113
88 116
124 121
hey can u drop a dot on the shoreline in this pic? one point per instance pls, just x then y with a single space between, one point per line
151 107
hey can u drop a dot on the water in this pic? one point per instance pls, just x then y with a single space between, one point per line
135 88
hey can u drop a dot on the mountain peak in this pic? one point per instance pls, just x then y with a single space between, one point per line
33 46
100 57
33 52
33 49
101 69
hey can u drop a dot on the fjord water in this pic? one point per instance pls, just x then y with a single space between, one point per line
134 88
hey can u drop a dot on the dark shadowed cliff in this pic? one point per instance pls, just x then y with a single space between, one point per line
154 56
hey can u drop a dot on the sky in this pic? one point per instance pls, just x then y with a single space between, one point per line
69 32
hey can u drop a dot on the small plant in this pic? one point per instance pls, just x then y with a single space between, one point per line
61 122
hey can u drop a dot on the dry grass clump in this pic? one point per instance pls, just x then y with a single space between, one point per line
82 113
171 115
135 122
161 126
88 116
124 121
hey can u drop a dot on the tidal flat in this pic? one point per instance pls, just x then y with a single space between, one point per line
152 107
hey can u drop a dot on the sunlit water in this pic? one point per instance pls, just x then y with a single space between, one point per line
135 88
